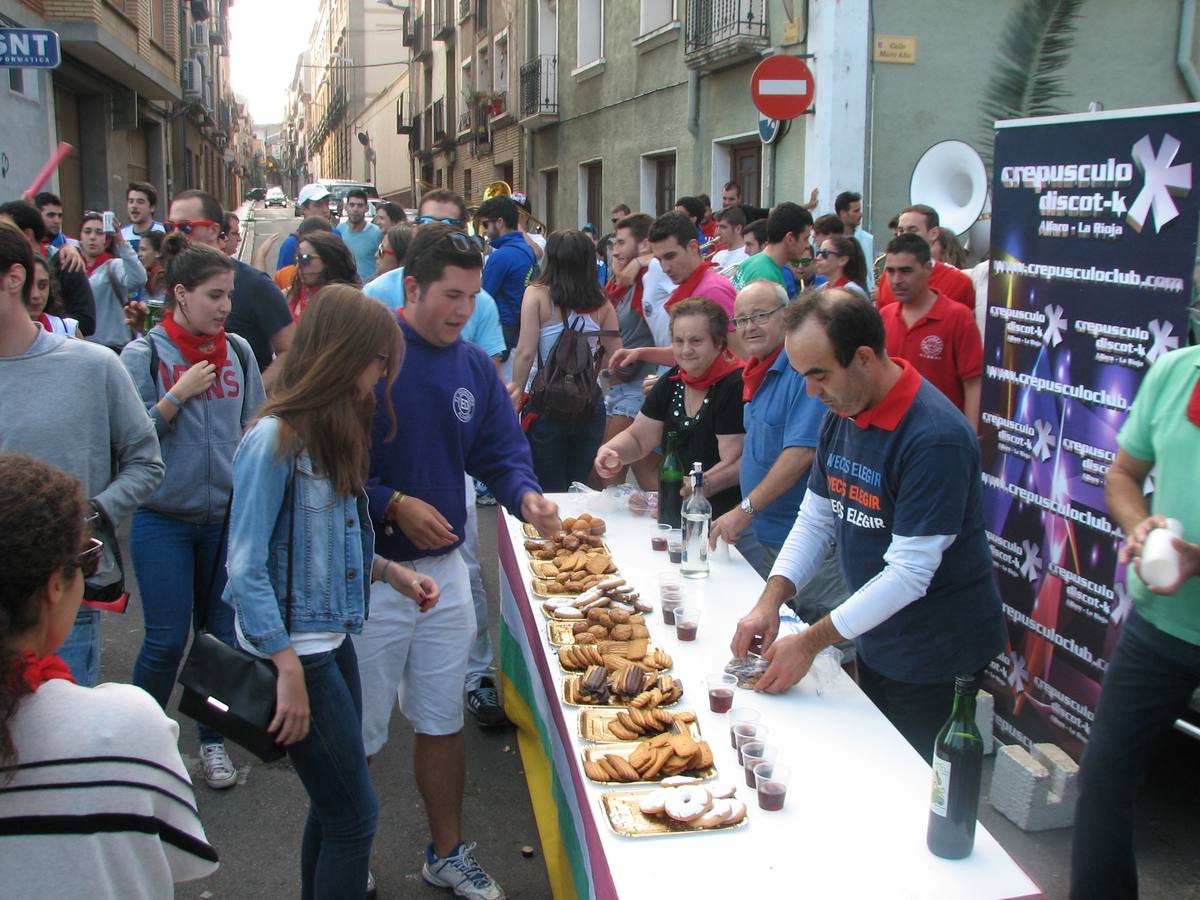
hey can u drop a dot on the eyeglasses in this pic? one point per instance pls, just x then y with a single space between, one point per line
384 250
88 562
186 227
825 254
425 220
758 318
303 259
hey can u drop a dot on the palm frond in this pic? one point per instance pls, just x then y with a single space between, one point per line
1030 56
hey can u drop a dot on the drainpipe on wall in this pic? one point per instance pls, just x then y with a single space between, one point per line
1183 56
693 122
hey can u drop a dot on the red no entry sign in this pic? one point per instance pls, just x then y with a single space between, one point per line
782 87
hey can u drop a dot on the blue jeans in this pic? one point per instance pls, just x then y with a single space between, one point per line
81 650
565 453
343 809
1146 688
174 561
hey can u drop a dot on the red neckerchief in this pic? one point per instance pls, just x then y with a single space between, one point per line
725 363
300 303
616 292
688 285
1193 408
45 320
197 347
841 281
755 371
89 268
37 670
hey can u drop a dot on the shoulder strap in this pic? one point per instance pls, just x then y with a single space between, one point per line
153 361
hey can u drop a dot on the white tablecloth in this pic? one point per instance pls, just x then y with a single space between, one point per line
858 803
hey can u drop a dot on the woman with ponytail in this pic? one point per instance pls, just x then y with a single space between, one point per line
202 388
94 798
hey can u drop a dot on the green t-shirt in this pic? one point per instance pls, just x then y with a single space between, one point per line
1158 431
758 267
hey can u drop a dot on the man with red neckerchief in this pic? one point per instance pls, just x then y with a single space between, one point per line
895 486
939 337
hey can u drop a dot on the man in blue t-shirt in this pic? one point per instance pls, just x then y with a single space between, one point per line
508 268
895 485
782 426
361 236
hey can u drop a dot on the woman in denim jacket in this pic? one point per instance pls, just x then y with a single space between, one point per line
312 445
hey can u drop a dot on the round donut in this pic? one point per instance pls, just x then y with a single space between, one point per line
721 790
737 812
679 781
716 816
654 802
689 803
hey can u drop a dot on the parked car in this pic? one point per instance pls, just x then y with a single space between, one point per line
276 197
259 194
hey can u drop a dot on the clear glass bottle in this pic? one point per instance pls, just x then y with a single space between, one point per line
697 516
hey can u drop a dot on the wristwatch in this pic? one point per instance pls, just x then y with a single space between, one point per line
747 507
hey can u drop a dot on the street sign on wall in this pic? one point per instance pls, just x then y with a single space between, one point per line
782 87
768 129
29 48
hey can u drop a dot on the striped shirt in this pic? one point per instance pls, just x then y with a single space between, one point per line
100 804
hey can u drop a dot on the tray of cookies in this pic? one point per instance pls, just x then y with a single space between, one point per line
614 655
682 809
599 687
662 756
571 566
603 593
563 632
584 522
619 726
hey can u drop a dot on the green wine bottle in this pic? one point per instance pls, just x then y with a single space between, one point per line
670 483
957 767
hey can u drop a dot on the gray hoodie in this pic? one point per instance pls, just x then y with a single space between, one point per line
70 404
198 444
113 283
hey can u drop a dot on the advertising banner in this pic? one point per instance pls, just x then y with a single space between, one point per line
1093 246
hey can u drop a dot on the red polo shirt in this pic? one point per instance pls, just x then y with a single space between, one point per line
943 345
944 279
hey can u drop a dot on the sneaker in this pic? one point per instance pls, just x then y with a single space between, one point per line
461 873
484 704
219 771
372 890
483 496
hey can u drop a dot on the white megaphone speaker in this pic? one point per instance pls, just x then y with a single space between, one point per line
952 179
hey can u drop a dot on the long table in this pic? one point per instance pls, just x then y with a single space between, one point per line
858 801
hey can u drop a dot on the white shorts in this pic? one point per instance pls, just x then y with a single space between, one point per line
418 658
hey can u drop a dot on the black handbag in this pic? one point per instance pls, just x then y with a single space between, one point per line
226 688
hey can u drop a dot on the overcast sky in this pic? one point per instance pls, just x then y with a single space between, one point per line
266 38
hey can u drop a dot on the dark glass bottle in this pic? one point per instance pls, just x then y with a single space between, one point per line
670 483
957 767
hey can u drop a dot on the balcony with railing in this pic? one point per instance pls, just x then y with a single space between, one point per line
464 123
539 92
721 33
443 19
421 44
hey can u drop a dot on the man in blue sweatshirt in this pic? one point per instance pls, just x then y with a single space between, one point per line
457 419
508 268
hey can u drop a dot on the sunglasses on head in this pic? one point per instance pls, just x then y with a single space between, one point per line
461 242
186 227
425 220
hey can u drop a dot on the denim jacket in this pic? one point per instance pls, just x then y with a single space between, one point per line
334 547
